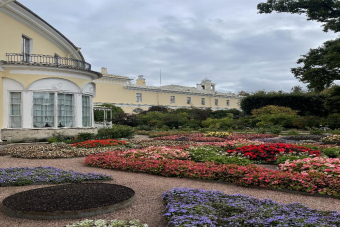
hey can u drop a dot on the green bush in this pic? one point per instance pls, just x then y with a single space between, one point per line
333 120
60 137
85 136
52 140
276 129
224 123
306 121
117 131
331 152
315 130
99 114
293 132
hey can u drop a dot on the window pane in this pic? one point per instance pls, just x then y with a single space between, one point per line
43 109
86 111
65 110
15 110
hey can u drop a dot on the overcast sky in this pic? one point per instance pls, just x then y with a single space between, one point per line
224 40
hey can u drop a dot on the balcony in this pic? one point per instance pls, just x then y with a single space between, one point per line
47 60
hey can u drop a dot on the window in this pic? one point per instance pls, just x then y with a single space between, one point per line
43 109
139 97
188 100
172 99
26 49
228 103
203 101
65 110
216 102
86 110
15 110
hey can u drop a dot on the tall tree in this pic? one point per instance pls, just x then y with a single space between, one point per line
321 65
324 11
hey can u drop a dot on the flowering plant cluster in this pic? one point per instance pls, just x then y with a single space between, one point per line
249 136
269 152
196 207
217 134
328 166
333 138
45 175
157 153
244 175
232 144
108 223
99 143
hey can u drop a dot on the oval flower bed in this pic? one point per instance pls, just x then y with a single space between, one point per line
328 166
45 175
196 207
269 152
99 143
157 153
244 175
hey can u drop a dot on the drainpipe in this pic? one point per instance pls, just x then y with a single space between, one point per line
5 3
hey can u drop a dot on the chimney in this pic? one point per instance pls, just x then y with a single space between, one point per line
104 71
140 80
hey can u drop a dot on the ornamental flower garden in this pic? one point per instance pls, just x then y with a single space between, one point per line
225 157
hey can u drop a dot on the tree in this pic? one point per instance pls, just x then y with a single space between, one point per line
332 102
324 11
296 89
321 66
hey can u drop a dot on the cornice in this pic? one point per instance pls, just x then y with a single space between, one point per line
24 15
56 71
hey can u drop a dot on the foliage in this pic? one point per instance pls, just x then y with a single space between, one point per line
59 137
332 102
280 119
271 109
116 131
84 136
320 67
315 130
99 143
269 152
196 207
107 223
44 175
331 152
218 114
333 138
305 103
293 132
283 158
333 120
216 155
162 109
99 114
327 12
306 121
223 123
276 129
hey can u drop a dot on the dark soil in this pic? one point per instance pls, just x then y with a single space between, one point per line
68 197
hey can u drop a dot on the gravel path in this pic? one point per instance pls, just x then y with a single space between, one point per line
148 206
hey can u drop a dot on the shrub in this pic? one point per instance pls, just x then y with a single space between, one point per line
333 120
117 131
218 114
331 152
271 109
85 136
315 130
59 137
306 121
293 132
276 129
196 207
224 123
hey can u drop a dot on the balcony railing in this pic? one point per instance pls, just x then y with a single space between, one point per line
47 60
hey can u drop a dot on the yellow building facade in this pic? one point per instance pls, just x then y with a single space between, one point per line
136 96
45 84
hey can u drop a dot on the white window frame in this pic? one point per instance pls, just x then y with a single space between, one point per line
228 102
25 58
73 110
9 109
216 102
90 106
172 99
203 101
139 97
189 100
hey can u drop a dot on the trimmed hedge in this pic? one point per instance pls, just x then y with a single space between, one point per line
306 104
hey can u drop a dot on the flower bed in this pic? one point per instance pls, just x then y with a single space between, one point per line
108 223
269 152
53 151
328 166
196 207
217 134
157 153
200 137
99 143
244 175
45 175
331 139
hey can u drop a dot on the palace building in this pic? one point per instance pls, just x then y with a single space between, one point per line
135 97
45 84
47 87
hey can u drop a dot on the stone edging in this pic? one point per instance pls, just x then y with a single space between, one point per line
68 214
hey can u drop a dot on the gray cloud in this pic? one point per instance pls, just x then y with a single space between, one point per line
226 41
